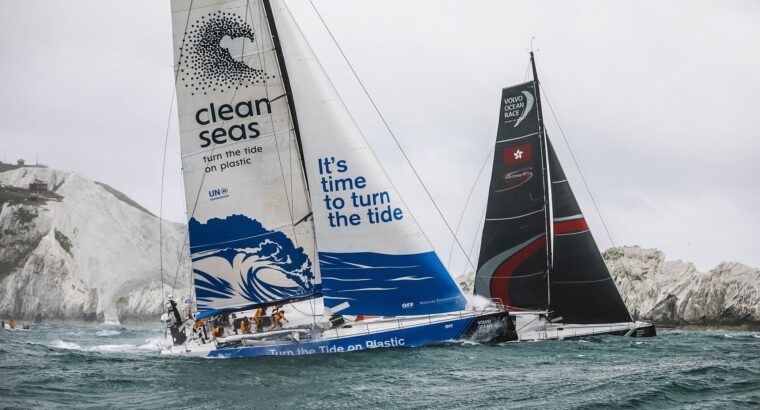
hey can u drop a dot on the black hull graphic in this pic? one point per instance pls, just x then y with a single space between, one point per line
492 328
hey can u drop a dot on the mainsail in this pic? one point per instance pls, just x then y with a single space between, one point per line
526 261
512 265
373 256
251 237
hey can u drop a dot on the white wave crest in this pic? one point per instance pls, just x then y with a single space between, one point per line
61 344
107 333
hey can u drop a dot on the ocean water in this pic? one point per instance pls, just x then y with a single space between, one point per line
101 366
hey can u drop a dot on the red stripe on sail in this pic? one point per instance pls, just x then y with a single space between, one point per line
574 225
500 278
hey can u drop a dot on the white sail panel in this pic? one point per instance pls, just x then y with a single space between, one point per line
372 253
246 196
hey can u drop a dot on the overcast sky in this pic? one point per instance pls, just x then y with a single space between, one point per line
660 102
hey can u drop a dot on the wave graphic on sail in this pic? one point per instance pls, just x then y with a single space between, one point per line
237 263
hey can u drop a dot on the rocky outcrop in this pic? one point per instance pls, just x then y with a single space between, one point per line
675 293
80 251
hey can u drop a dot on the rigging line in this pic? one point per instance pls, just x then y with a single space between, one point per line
387 127
467 202
475 240
163 162
577 166
161 202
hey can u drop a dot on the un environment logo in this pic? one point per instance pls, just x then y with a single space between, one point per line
213 55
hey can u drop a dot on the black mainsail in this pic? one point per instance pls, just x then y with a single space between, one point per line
537 251
513 253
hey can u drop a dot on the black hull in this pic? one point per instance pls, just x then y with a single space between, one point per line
492 328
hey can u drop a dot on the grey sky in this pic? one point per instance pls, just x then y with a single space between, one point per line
659 100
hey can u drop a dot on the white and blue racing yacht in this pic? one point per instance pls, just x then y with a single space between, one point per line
287 203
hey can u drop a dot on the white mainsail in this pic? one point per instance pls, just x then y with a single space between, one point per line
251 238
373 256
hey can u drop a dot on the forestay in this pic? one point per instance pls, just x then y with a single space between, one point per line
251 238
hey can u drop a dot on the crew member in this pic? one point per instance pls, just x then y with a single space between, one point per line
245 326
173 310
236 323
200 329
258 318
277 317
12 324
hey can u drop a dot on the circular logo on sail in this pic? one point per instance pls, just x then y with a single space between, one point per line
516 178
220 53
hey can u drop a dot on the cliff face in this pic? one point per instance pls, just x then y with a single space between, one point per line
80 250
675 293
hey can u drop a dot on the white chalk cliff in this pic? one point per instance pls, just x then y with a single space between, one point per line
675 293
81 251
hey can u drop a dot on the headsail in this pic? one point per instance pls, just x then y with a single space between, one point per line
374 257
582 290
251 238
512 264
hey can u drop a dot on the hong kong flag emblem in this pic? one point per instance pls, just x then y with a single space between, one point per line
517 154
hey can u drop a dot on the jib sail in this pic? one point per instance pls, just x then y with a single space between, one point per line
582 290
373 256
251 238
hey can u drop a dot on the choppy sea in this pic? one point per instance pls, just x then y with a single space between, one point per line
107 366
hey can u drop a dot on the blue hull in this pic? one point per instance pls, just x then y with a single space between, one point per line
407 337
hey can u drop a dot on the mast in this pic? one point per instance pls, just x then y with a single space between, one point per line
546 179
286 84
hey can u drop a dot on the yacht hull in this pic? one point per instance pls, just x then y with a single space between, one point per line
491 327
532 326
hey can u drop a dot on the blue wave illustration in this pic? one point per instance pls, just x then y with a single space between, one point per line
388 285
236 259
